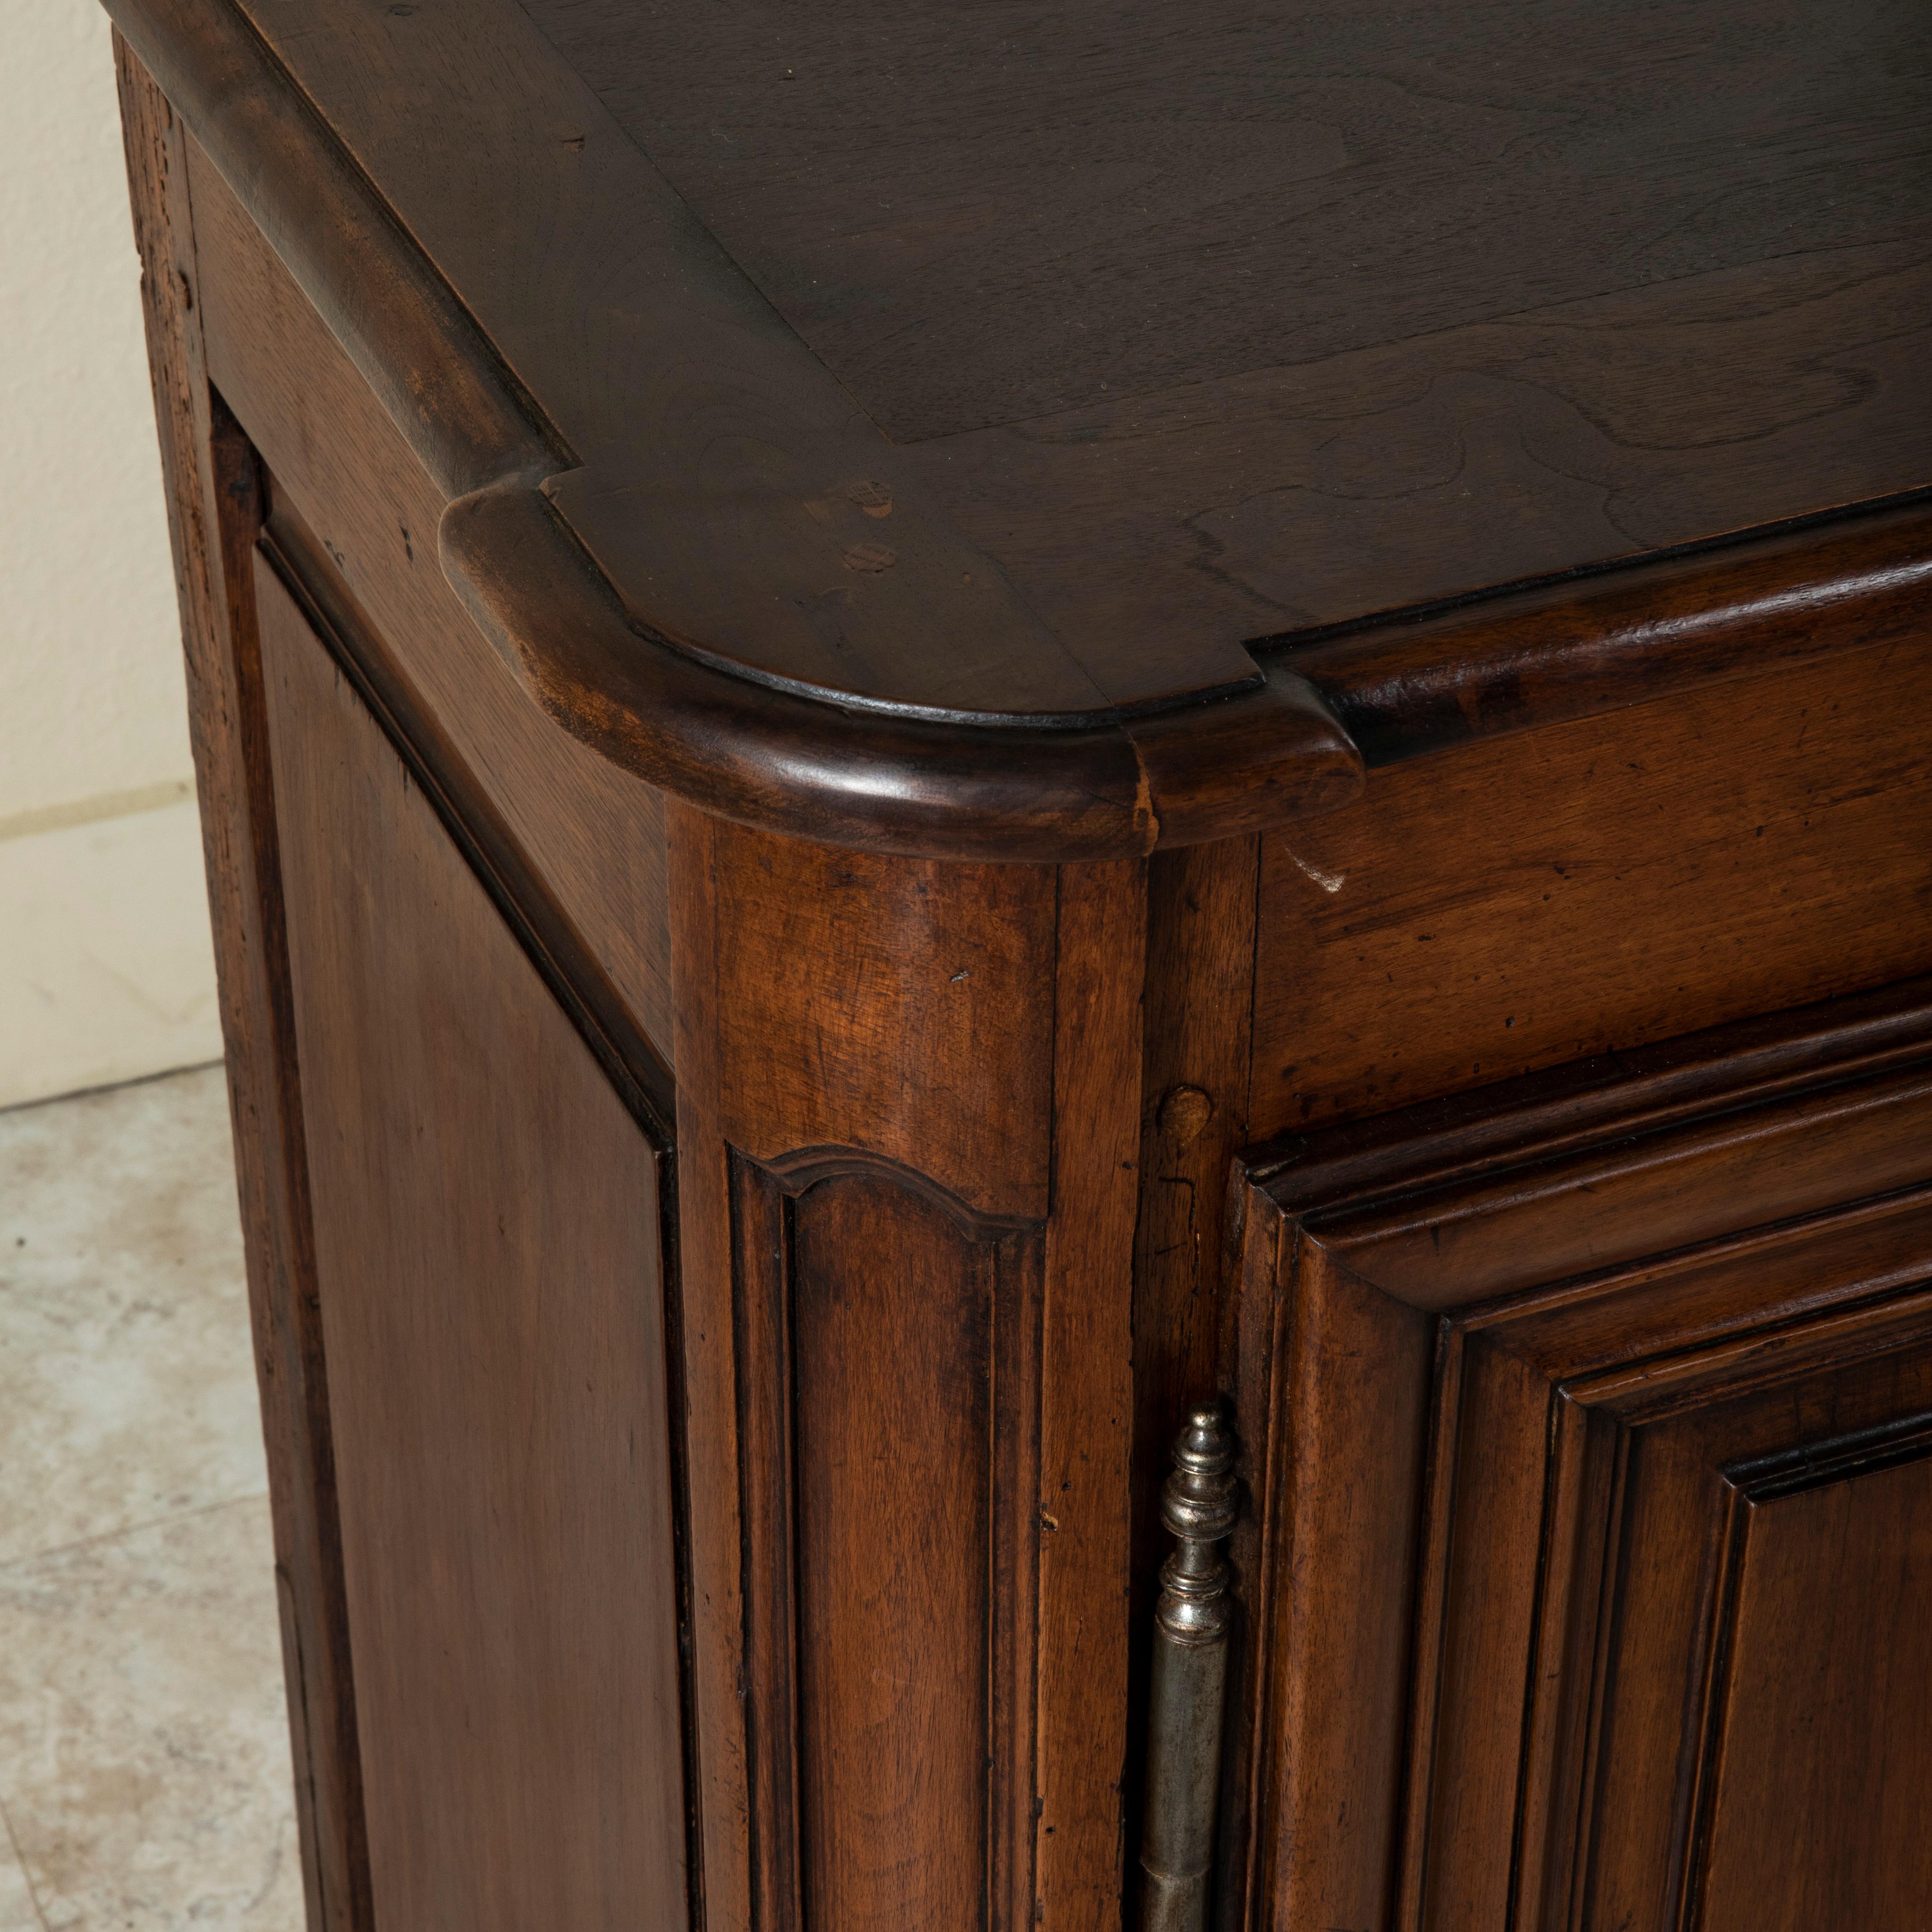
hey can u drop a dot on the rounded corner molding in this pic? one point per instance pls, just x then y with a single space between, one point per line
1043 784
883 708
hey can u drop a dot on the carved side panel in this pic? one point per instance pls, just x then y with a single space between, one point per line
888 1344
489 1254
908 1095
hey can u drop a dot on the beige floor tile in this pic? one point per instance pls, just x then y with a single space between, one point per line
144 1755
16 1901
127 1383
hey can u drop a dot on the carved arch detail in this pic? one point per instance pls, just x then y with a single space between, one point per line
887 1343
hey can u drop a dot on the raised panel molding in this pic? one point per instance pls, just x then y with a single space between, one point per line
887 1339
490 1295
1558 1399
907 1125
1603 1586
1806 1524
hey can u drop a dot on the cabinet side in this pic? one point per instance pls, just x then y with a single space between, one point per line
214 510
908 1097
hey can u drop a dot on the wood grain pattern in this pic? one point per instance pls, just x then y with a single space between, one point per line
214 507
754 752
1099 572
1790 1154
1801 1632
1143 207
1267 505
851 1014
1335 1611
1201 937
1603 1407
937 1068
521 893
765 450
354 484
1608 882
490 1281
1568 1173
912 1018
1193 1103
722 1630
901 1634
999 874
1598 641
1261 324
1090 1399
1867 1369
891 1548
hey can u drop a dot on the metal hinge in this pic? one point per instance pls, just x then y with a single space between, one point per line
1189 1684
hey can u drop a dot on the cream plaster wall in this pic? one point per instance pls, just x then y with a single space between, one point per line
106 972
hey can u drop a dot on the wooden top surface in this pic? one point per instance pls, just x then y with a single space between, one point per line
978 215
1004 368
1214 324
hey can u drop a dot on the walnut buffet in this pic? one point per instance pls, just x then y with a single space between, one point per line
926 731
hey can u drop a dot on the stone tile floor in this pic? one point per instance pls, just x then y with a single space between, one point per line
144 1757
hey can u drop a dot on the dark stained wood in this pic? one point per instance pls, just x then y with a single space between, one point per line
361 500
1581 1211
1201 937
1820 1105
975 218
1333 1611
1636 1350
1194 1112
1599 642
979 1217
1514 904
323 419
1653 1088
767 452
892 1747
918 1778
724 1679
1090 1399
1317 493
829 975
491 1286
847 974
1250 1378
521 893
213 509
1802 1635
688 365
1866 1370
704 555
816 839
1239 764
1755 363
1273 321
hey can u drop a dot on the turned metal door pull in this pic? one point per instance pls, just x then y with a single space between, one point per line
1190 1671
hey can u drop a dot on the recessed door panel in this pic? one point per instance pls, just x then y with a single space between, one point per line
489 1264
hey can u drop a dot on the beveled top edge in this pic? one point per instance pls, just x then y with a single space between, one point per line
536 301
501 451
533 465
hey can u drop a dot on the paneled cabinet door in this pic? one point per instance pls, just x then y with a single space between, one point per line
1592 1428
488 1271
